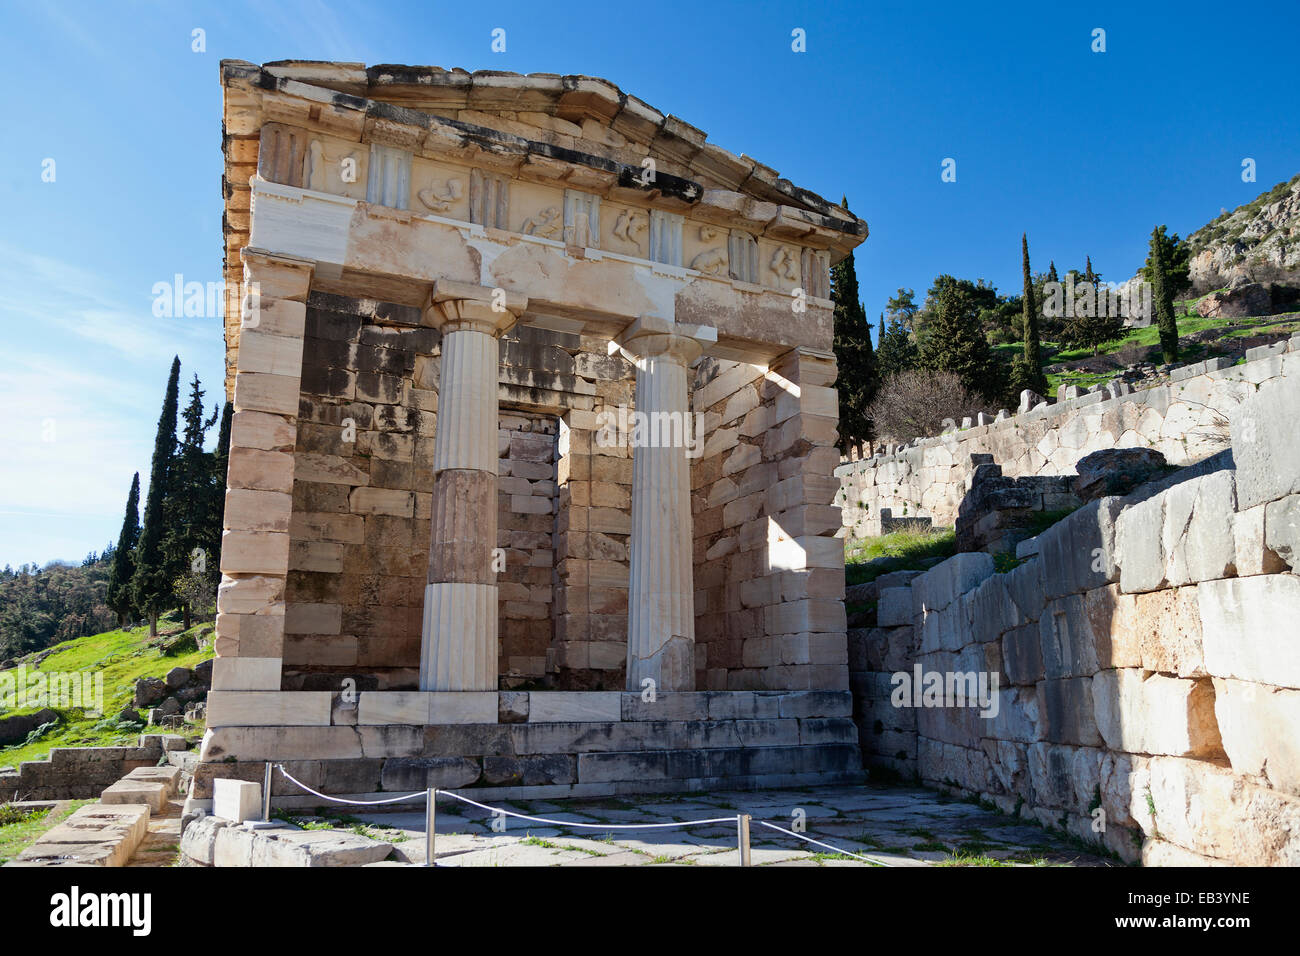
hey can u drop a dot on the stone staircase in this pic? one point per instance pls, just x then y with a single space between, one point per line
138 814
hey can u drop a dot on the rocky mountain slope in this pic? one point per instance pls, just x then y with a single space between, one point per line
1256 242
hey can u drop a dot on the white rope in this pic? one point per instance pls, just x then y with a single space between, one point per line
567 823
807 839
355 803
589 826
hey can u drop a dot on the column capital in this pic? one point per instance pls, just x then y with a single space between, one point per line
655 335
463 306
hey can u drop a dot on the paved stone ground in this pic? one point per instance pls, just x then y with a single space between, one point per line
161 845
888 826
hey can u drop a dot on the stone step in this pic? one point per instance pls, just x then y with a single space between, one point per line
95 835
152 786
168 776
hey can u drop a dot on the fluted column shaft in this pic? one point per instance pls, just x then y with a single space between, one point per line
661 604
458 649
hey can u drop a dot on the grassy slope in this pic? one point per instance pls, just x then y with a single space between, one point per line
123 656
1188 324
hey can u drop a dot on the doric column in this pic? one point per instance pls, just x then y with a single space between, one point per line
458 648
661 605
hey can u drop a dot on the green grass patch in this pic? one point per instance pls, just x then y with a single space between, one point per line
962 858
123 656
19 828
868 558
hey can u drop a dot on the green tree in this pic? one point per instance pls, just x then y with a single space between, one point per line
956 343
1159 274
903 306
1094 322
188 544
853 354
151 583
118 595
896 352
1175 257
220 463
1032 363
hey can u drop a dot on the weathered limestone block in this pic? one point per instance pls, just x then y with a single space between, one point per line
1261 731
1022 656
1079 552
1208 810
1197 535
1051 769
1252 553
1069 645
236 800
1155 715
1264 445
1249 628
1139 549
894 607
1017 716
948 580
1067 709
1282 533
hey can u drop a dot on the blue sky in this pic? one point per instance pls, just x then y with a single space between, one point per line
1086 151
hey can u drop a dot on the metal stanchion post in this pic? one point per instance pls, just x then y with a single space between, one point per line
742 833
266 794
430 822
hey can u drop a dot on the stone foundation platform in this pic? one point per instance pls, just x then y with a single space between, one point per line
539 744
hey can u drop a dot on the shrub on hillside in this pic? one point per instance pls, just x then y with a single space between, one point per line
920 402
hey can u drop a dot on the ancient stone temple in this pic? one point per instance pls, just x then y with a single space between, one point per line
532 461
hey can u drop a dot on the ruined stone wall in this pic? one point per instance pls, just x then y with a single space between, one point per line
1146 658
363 478
1186 420
592 531
768 567
769 573
526 494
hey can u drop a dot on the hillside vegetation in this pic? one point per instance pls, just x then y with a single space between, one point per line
123 656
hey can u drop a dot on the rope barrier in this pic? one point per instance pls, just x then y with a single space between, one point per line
808 839
431 794
355 803
589 826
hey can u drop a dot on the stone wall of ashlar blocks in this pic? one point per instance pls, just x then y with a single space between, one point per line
1185 419
769 571
530 744
526 494
1147 656
592 531
362 494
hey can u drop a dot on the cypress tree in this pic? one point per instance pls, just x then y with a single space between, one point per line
897 352
1163 296
220 462
1033 364
188 546
118 593
880 332
853 354
151 583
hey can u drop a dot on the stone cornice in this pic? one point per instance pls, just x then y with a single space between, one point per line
758 202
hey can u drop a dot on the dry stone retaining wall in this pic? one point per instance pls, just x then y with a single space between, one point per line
1186 420
1147 662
